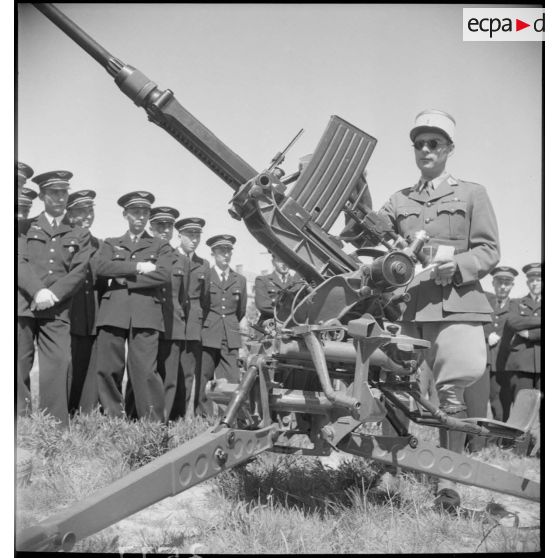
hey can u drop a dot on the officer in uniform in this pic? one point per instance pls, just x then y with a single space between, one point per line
57 256
139 265
80 212
173 301
488 386
448 306
520 356
24 202
503 282
269 287
189 230
221 329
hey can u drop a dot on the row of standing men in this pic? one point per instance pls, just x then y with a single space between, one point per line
82 300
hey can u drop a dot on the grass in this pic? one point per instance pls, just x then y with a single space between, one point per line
273 504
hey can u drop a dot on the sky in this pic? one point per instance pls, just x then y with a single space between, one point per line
256 74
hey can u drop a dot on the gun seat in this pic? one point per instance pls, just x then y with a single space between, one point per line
331 178
524 412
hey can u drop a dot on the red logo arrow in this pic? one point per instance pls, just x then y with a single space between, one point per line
519 25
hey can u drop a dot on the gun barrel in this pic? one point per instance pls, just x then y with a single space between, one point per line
76 33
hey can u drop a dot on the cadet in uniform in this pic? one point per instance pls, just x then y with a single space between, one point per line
173 300
24 202
520 356
130 311
189 230
488 386
448 306
58 256
221 329
80 212
268 288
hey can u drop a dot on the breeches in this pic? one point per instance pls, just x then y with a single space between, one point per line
456 359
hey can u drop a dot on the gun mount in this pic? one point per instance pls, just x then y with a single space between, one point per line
331 363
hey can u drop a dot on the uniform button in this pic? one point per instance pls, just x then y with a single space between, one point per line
87 292
164 289
223 307
54 240
133 257
50 261
222 315
52 249
87 282
50 270
427 220
222 299
164 300
428 204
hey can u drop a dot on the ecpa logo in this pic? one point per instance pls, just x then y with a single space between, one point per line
503 24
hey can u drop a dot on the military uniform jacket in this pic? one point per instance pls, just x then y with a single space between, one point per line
85 303
198 291
518 353
268 288
137 303
53 259
227 306
499 316
173 298
459 214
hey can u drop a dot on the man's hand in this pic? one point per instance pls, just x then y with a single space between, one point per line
523 333
493 338
44 299
443 272
145 267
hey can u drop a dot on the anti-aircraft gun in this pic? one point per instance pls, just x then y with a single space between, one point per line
334 360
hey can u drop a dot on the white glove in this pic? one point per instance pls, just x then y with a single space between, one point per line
44 299
145 267
493 338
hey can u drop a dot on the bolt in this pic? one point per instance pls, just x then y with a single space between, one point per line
220 456
413 442
230 439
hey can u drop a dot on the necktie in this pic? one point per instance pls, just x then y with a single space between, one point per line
54 225
223 277
134 240
427 187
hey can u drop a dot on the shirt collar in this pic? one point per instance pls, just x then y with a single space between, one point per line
220 272
535 298
435 181
50 219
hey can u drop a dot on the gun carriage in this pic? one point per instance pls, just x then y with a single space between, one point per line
333 359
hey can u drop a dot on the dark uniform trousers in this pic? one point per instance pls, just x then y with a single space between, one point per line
221 333
83 315
171 341
56 259
520 357
196 309
131 313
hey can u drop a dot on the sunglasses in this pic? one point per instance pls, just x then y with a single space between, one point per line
432 144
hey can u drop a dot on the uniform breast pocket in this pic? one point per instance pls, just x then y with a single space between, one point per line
409 219
71 246
118 257
453 217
